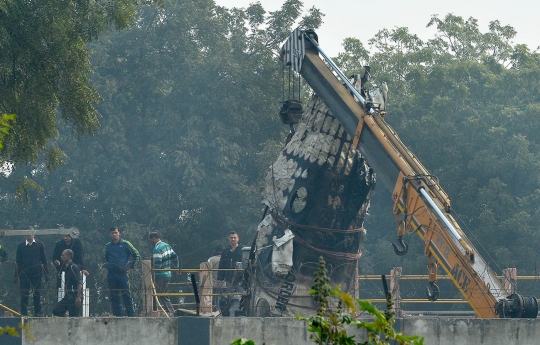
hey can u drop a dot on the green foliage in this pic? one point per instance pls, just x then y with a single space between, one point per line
45 69
6 121
12 331
8 330
321 289
243 341
24 185
463 39
328 327
23 189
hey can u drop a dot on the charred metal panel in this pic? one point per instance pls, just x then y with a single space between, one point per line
319 188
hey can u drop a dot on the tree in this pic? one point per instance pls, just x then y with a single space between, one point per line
45 71
463 40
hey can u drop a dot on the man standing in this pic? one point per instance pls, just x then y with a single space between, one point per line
30 263
72 300
121 257
163 257
229 257
73 244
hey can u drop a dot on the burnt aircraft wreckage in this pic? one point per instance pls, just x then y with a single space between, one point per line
317 195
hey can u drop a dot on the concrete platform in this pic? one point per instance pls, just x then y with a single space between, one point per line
270 331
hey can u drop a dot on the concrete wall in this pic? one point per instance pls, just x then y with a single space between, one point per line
270 331
49 331
454 331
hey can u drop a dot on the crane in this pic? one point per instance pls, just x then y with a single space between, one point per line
420 204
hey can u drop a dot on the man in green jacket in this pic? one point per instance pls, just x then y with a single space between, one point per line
121 257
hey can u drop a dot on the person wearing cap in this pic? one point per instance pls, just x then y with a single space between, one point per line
73 244
163 258
72 301
31 263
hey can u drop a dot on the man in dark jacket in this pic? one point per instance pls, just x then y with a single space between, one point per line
31 262
229 257
73 244
121 257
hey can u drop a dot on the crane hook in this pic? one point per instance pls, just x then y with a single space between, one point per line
404 247
432 292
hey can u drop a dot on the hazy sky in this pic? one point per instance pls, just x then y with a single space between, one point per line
363 19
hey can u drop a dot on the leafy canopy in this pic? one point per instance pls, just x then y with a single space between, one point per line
45 71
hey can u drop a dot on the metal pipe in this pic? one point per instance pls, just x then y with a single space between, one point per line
190 294
417 300
196 270
464 313
10 310
440 214
341 75
73 232
404 277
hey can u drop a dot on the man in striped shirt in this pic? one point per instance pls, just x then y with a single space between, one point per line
163 257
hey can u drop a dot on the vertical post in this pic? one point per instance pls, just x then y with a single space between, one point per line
395 277
356 283
196 294
205 288
86 299
510 280
148 298
62 288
